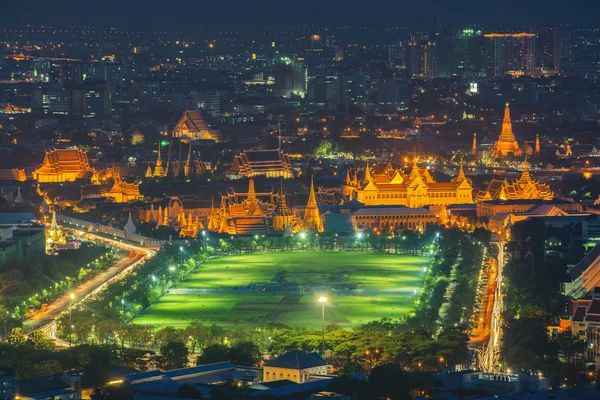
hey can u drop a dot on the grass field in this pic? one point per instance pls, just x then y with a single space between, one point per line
257 289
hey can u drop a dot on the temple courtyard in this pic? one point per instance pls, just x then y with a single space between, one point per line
284 288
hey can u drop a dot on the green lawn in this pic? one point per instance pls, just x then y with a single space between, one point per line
258 289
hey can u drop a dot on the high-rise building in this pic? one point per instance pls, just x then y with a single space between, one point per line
548 46
470 52
413 59
92 99
510 53
393 95
567 42
353 89
396 54
324 89
430 59
290 78
51 99
208 102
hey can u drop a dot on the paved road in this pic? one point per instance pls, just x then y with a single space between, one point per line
46 320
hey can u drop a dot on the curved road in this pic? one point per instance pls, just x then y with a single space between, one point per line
46 320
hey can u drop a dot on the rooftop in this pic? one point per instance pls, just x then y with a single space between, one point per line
296 359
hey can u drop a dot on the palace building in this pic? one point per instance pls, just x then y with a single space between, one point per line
270 163
524 188
389 218
506 145
63 165
193 126
386 185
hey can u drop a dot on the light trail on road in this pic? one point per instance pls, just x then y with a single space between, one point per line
45 321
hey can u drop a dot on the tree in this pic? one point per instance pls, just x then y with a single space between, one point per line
212 354
323 148
198 334
173 355
16 336
245 353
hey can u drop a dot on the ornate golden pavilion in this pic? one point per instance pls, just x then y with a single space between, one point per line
63 165
506 145
386 185
257 213
524 188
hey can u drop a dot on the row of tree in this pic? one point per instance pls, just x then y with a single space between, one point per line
26 286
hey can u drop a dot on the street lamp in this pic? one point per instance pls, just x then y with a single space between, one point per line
180 255
323 300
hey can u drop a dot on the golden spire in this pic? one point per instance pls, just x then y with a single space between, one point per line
159 159
312 199
251 191
537 144
525 176
159 171
348 179
367 178
507 133
460 177
474 146
312 217
414 172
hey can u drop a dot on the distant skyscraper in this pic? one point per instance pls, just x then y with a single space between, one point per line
510 53
323 89
290 77
208 102
393 95
353 89
469 52
395 54
548 46
430 59
413 56
567 42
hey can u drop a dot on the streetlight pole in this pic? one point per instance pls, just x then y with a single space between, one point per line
323 300
180 255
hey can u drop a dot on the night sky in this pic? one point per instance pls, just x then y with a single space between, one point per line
418 13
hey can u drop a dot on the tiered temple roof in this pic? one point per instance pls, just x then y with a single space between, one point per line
271 163
62 165
193 126
523 188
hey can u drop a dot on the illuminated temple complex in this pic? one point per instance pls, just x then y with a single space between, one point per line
524 188
506 145
180 168
257 213
270 163
109 184
63 165
386 185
